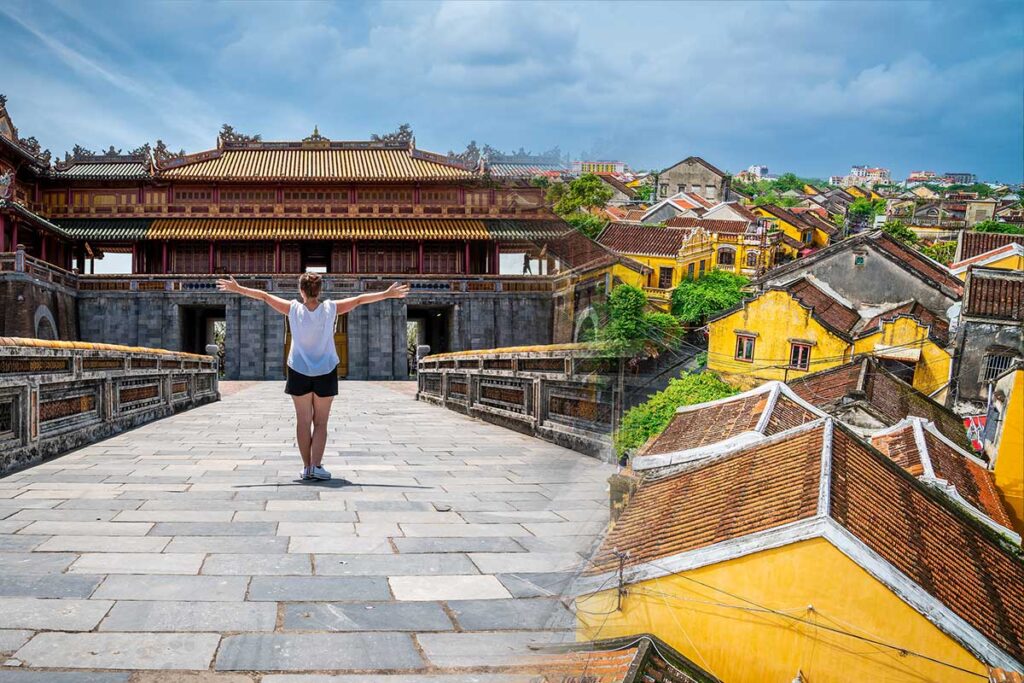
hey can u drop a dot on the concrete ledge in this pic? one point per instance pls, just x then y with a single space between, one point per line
56 396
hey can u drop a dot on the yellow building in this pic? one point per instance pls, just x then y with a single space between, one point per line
769 543
1007 257
1005 446
804 232
803 327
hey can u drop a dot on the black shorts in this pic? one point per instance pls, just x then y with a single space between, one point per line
321 385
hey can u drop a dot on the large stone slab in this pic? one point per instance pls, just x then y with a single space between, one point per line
366 616
140 615
22 676
447 588
48 585
492 615
137 563
481 544
163 587
35 563
394 565
105 544
274 564
52 615
120 650
332 651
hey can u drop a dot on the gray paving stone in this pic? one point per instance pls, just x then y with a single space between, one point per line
48 585
532 585
162 587
105 544
11 640
277 564
214 529
35 563
483 649
14 543
130 615
350 545
336 651
494 563
447 588
366 616
325 588
15 676
449 530
120 650
227 544
488 544
137 563
493 615
393 565
89 529
63 615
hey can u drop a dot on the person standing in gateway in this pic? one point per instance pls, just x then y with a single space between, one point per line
312 360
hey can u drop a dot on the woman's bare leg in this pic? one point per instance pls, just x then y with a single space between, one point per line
303 425
321 413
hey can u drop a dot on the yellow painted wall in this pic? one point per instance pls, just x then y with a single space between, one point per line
1008 262
721 634
818 239
932 370
776 317
1009 467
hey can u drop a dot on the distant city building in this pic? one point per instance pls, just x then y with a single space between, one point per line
836 180
869 175
962 178
921 177
581 167
758 172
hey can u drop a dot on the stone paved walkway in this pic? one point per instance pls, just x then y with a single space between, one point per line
189 544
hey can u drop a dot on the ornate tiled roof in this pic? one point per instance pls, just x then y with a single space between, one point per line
825 307
942 560
117 170
337 161
106 230
719 225
647 240
866 383
995 294
316 229
917 448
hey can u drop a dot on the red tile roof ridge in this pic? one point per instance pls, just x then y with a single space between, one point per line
987 257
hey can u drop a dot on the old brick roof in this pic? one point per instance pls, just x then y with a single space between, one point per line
865 382
995 294
649 240
971 243
972 481
894 521
824 307
917 261
717 225
938 327
641 658
617 184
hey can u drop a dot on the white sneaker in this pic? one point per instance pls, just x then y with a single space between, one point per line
306 474
319 472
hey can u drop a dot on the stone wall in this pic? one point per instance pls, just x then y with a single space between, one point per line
976 340
55 396
36 300
566 393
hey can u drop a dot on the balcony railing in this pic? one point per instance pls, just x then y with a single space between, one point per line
20 262
285 210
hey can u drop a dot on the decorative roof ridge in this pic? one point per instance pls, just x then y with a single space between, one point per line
1016 248
81 155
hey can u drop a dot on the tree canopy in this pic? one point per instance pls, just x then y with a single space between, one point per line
998 226
584 193
863 209
900 231
694 300
630 327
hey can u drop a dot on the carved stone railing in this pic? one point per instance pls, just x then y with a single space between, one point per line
19 262
55 396
565 393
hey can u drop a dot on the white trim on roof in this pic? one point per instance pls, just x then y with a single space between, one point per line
991 256
825 481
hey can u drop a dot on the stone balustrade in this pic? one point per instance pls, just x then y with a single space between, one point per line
55 396
569 394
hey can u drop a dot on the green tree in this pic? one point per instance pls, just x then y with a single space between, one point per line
942 252
863 209
644 193
642 422
631 329
900 231
587 223
694 300
582 194
998 226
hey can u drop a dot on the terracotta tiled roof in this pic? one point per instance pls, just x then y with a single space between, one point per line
649 240
783 214
722 226
758 488
580 252
514 170
972 481
915 260
634 215
863 382
103 230
926 538
743 211
631 659
971 243
1013 248
995 294
316 228
344 163
938 327
766 410
811 218
792 242
833 313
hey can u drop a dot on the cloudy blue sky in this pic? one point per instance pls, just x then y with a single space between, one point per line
805 86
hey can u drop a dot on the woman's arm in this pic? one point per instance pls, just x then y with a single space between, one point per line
395 291
277 303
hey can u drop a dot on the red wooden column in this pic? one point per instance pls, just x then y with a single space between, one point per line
466 271
135 257
164 258
211 257
497 259
3 232
355 255
42 249
277 256
421 256
14 235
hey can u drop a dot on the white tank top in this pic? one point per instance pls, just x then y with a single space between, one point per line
312 351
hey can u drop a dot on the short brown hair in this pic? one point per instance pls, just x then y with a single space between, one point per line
310 284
